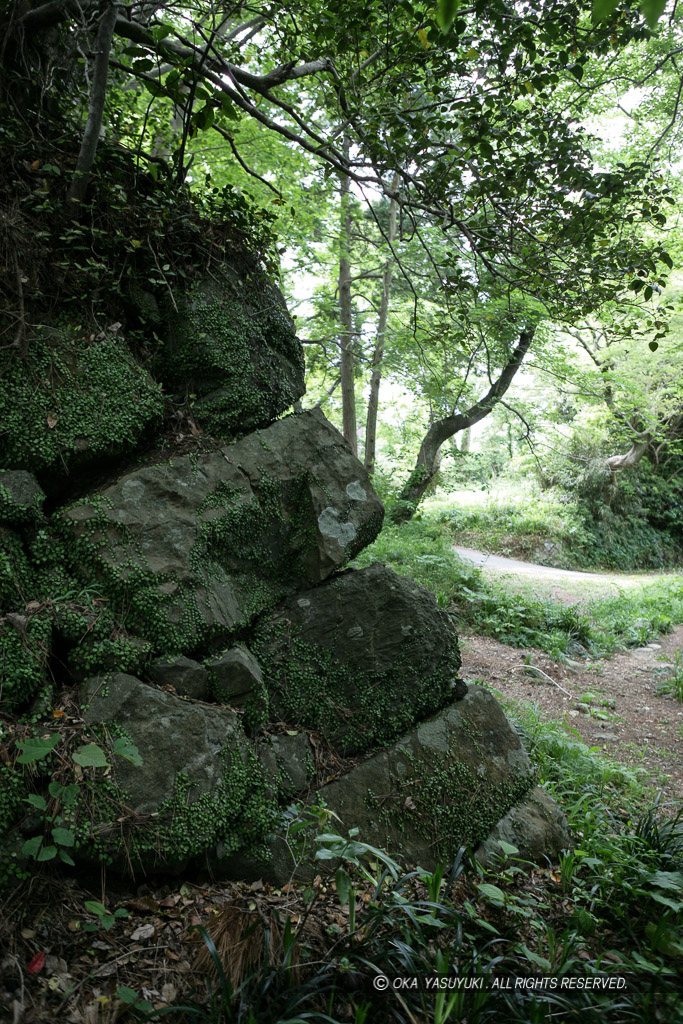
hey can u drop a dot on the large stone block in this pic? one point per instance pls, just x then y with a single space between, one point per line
194 549
445 784
199 785
231 342
359 659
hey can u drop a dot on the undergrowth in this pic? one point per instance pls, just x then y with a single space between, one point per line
422 549
596 939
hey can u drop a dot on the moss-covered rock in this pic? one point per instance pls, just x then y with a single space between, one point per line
443 785
73 400
535 827
231 344
192 551
21 498
199 787
359 659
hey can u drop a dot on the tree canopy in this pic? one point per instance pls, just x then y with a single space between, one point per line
440 183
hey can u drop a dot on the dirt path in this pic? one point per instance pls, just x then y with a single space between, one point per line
569 586
613 704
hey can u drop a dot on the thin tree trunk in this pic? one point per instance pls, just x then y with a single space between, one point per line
378 353
93 125
465 440
419 480
349 427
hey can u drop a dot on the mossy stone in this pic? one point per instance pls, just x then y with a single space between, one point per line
232 345
445 784
75 399
21 498
190 552
199 786
359 659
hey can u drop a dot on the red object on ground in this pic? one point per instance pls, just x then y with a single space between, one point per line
37 963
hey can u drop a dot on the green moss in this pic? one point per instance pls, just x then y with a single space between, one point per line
246 357
356 710
73 399
24 651
97 641
239 815
153 607
15 571
451 804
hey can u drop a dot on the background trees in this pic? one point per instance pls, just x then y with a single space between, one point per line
435 188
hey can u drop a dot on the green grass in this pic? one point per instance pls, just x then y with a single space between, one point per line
673 686
422 549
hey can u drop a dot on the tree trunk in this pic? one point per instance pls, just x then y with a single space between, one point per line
378 353
93 125
465 441
349 427
419 480
632 457
616 463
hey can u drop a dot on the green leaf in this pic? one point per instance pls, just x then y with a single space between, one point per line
126 995
36 801
343 885
446 13
602 9
653 345
665 258
47 853
491 892
91 756
63 836
652 10
124 748
95 907
160 32
67 794
64 856
673 904
35 749
31 846
534 958
667 880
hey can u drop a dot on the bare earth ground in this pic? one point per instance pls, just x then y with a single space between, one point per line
621 711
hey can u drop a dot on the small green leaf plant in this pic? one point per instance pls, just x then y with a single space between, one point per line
58 839
105 919
130 997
